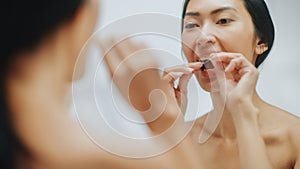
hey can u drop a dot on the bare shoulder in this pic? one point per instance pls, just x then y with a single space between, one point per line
294 136
284 126
276 118
281 132
277 126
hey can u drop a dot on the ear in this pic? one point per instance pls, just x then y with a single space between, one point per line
261 47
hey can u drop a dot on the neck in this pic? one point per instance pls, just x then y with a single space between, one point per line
226 129
43 75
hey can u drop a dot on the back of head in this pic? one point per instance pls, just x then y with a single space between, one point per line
24 25
263 24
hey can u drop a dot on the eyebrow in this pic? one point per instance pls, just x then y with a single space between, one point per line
197 14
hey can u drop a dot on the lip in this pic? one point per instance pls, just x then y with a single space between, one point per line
199 55
203 55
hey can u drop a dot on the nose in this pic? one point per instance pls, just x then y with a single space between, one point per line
206 41
206 37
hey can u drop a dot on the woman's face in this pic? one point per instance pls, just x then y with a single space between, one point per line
217 26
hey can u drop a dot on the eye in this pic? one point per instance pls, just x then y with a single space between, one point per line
190 25
224 21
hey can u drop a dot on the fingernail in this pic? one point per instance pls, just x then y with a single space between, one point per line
177 74
189 69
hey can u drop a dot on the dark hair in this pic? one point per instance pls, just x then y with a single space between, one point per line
262 21
24 24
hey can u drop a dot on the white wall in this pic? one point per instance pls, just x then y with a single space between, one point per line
280 80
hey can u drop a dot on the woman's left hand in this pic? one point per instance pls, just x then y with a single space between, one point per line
241 80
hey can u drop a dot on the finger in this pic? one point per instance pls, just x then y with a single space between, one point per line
195 65
243 71
220 57
225 57
231 62
183 82
184 70
236 75
110 56
228 57
181 91
123 48
136 46
126 47
238 63
238 67
234 64
172 76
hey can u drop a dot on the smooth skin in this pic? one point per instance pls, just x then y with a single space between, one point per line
251 133
39 92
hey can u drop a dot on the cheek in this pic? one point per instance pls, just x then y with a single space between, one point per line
238 43
188 44
188 52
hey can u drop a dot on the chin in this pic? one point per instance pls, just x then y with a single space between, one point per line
209 83
207 86
204 85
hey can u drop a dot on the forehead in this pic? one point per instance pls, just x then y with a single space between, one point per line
205 6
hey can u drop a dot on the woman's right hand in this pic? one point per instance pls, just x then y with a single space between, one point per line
183 73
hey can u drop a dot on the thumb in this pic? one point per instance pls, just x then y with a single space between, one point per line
183 82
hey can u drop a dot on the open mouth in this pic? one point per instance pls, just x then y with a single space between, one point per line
206 70
207 64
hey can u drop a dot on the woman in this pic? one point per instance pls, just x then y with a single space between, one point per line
237 35
40 44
